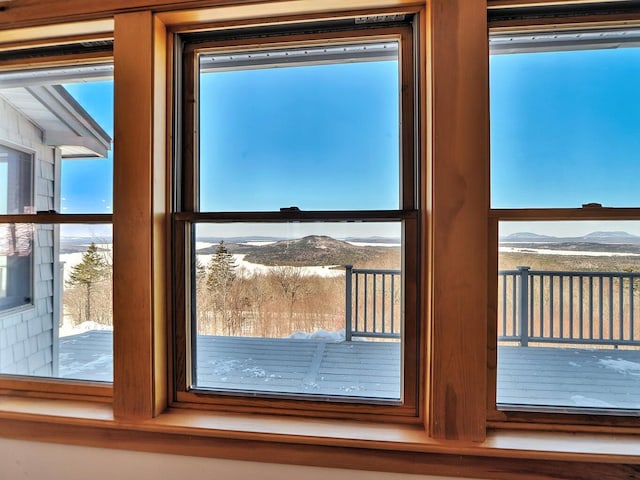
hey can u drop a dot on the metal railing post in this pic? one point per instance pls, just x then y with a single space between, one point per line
348 302
523 305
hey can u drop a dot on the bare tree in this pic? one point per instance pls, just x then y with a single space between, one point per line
290 280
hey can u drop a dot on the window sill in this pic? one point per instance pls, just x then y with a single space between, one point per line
319 442
18 309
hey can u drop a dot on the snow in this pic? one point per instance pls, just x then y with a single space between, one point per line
256 372
582 401
544 251
70 260
373 244
621 366
248 269
80 369
67 330
323 335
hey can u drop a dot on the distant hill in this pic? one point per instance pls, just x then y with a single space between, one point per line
611 236
526 237
307 251
615 237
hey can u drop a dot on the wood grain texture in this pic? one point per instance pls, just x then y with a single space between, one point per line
540 3
47 33
260 12
459 205
138 219
26 13
161 184
360 454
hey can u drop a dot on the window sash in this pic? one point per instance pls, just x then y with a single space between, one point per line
507 415
187 215
26 67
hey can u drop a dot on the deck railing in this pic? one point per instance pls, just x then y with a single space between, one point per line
372 303
569 307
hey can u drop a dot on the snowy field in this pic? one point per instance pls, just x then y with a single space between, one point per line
247 269
575 253
67 330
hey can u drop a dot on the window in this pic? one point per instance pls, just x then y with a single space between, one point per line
433 203
55 221
16 257
297 225
565 125
16 178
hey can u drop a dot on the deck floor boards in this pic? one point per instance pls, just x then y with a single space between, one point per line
547 376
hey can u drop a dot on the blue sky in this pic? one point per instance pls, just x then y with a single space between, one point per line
565 130
322 137
87 184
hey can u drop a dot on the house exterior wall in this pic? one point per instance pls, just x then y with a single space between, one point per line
27 332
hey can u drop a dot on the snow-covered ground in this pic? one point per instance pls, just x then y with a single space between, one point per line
67 330
373 244
621 366
323 335
72 259
576 253
245 268
248 269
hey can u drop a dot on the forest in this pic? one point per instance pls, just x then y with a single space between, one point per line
284 296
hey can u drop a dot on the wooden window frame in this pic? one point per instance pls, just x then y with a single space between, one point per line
453 437
55 388
188 215
537 417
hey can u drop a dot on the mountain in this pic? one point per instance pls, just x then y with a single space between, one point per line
527 237
312 250
599 237
617 236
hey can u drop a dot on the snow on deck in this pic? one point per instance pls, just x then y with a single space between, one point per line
545 376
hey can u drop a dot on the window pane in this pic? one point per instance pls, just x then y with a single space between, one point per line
316 127
569 314
87 181
16 181
63 325
565 122
55 140
16 265
310 309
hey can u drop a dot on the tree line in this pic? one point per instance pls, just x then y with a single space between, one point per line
227 302
272 304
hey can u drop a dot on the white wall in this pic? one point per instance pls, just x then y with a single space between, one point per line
21 460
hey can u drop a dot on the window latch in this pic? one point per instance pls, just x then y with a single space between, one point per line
289 209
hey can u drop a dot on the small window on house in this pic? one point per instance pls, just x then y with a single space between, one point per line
55 221
565 133
16 254
298 214
16 179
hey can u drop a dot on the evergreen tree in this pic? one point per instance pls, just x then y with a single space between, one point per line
221 272
91 270
220 277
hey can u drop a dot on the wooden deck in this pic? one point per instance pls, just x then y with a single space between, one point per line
569 377
355 369
545 376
